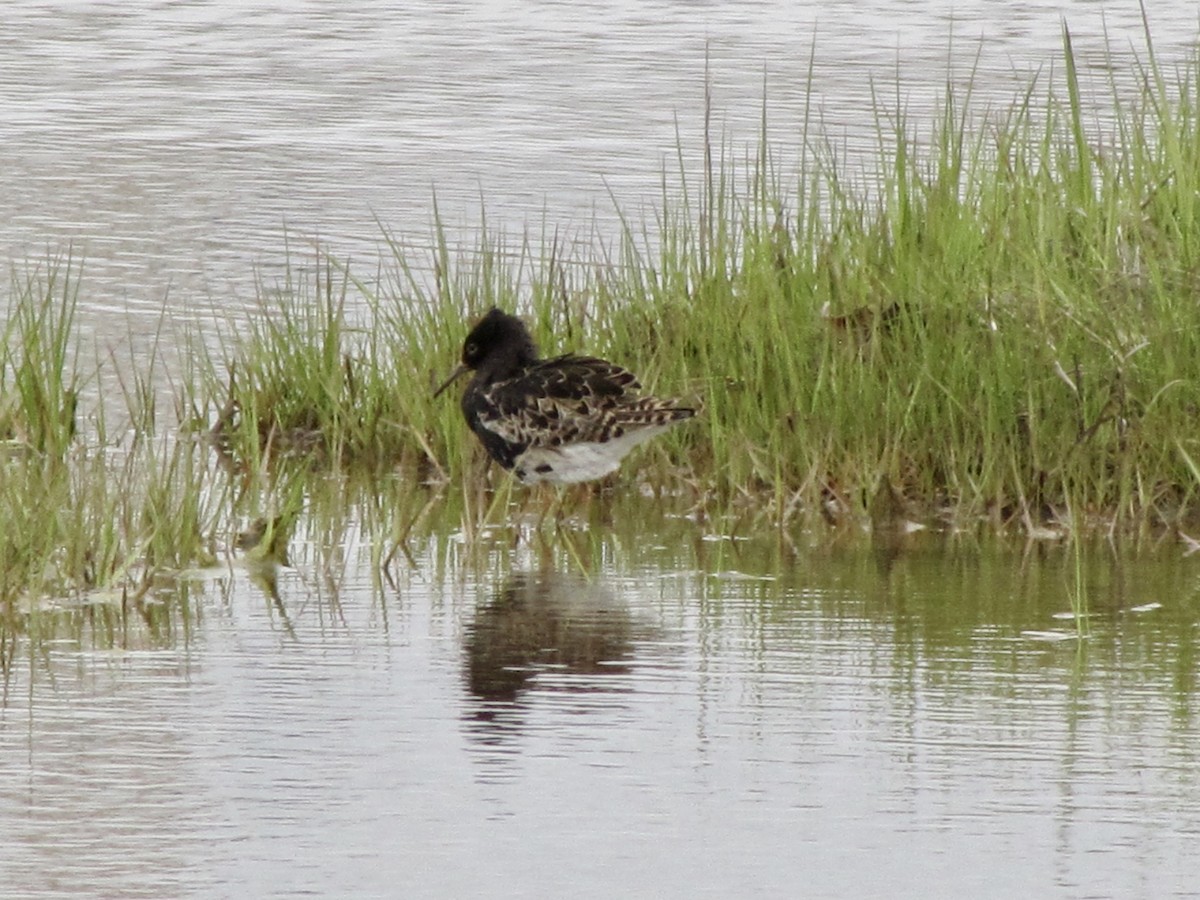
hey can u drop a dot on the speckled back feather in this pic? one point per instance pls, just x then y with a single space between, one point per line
571 399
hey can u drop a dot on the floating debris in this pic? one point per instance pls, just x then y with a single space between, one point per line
1051 637
1145 608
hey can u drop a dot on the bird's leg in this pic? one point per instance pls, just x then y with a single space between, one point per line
551 503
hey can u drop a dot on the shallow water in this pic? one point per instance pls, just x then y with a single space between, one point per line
588 713
645 709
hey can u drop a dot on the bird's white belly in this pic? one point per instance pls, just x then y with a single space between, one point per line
584 461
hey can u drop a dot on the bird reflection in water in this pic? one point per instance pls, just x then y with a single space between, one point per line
543 633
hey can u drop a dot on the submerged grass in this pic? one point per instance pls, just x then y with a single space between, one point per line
997 323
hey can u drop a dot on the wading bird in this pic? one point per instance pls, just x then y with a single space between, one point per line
563 420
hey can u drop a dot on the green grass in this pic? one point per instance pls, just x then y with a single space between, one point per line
1001 318
39 383
996 326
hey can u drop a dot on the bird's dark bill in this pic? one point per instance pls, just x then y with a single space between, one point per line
454 376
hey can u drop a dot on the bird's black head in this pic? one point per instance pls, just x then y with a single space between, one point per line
498 347
498 341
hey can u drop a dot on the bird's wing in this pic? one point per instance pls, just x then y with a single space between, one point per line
557 401
578 378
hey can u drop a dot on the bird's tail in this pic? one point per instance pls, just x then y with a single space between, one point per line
652 411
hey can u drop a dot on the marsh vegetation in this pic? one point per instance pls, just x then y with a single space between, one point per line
993 327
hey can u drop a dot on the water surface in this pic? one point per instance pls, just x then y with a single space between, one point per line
601 715
172 144
648 708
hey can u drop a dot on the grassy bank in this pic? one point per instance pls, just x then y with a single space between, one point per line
996 326
999 320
